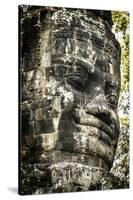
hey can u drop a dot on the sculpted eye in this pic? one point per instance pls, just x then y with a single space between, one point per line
76 80
112 100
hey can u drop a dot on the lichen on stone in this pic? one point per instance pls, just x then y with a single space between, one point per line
54 88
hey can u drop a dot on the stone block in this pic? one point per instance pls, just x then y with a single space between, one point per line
27 124
44 126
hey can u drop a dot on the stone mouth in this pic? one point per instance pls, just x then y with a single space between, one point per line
84 123
99 137
94 132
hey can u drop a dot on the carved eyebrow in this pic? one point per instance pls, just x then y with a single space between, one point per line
87 66
70 60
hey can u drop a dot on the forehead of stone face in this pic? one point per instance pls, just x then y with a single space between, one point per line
84 39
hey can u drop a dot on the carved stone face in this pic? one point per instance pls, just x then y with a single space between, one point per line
89 126
70 126
79 80
85 71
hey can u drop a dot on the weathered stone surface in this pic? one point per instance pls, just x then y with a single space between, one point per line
67 177
70 79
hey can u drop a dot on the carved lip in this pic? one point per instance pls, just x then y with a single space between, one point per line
94 131
93 121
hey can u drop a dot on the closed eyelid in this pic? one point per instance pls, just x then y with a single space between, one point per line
75 79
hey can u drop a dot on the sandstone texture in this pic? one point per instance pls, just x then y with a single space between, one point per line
69 70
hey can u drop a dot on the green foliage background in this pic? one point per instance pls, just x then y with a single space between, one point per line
121 162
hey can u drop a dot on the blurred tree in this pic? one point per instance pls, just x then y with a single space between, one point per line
121 162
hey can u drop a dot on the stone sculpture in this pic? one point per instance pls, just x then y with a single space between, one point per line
70 76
